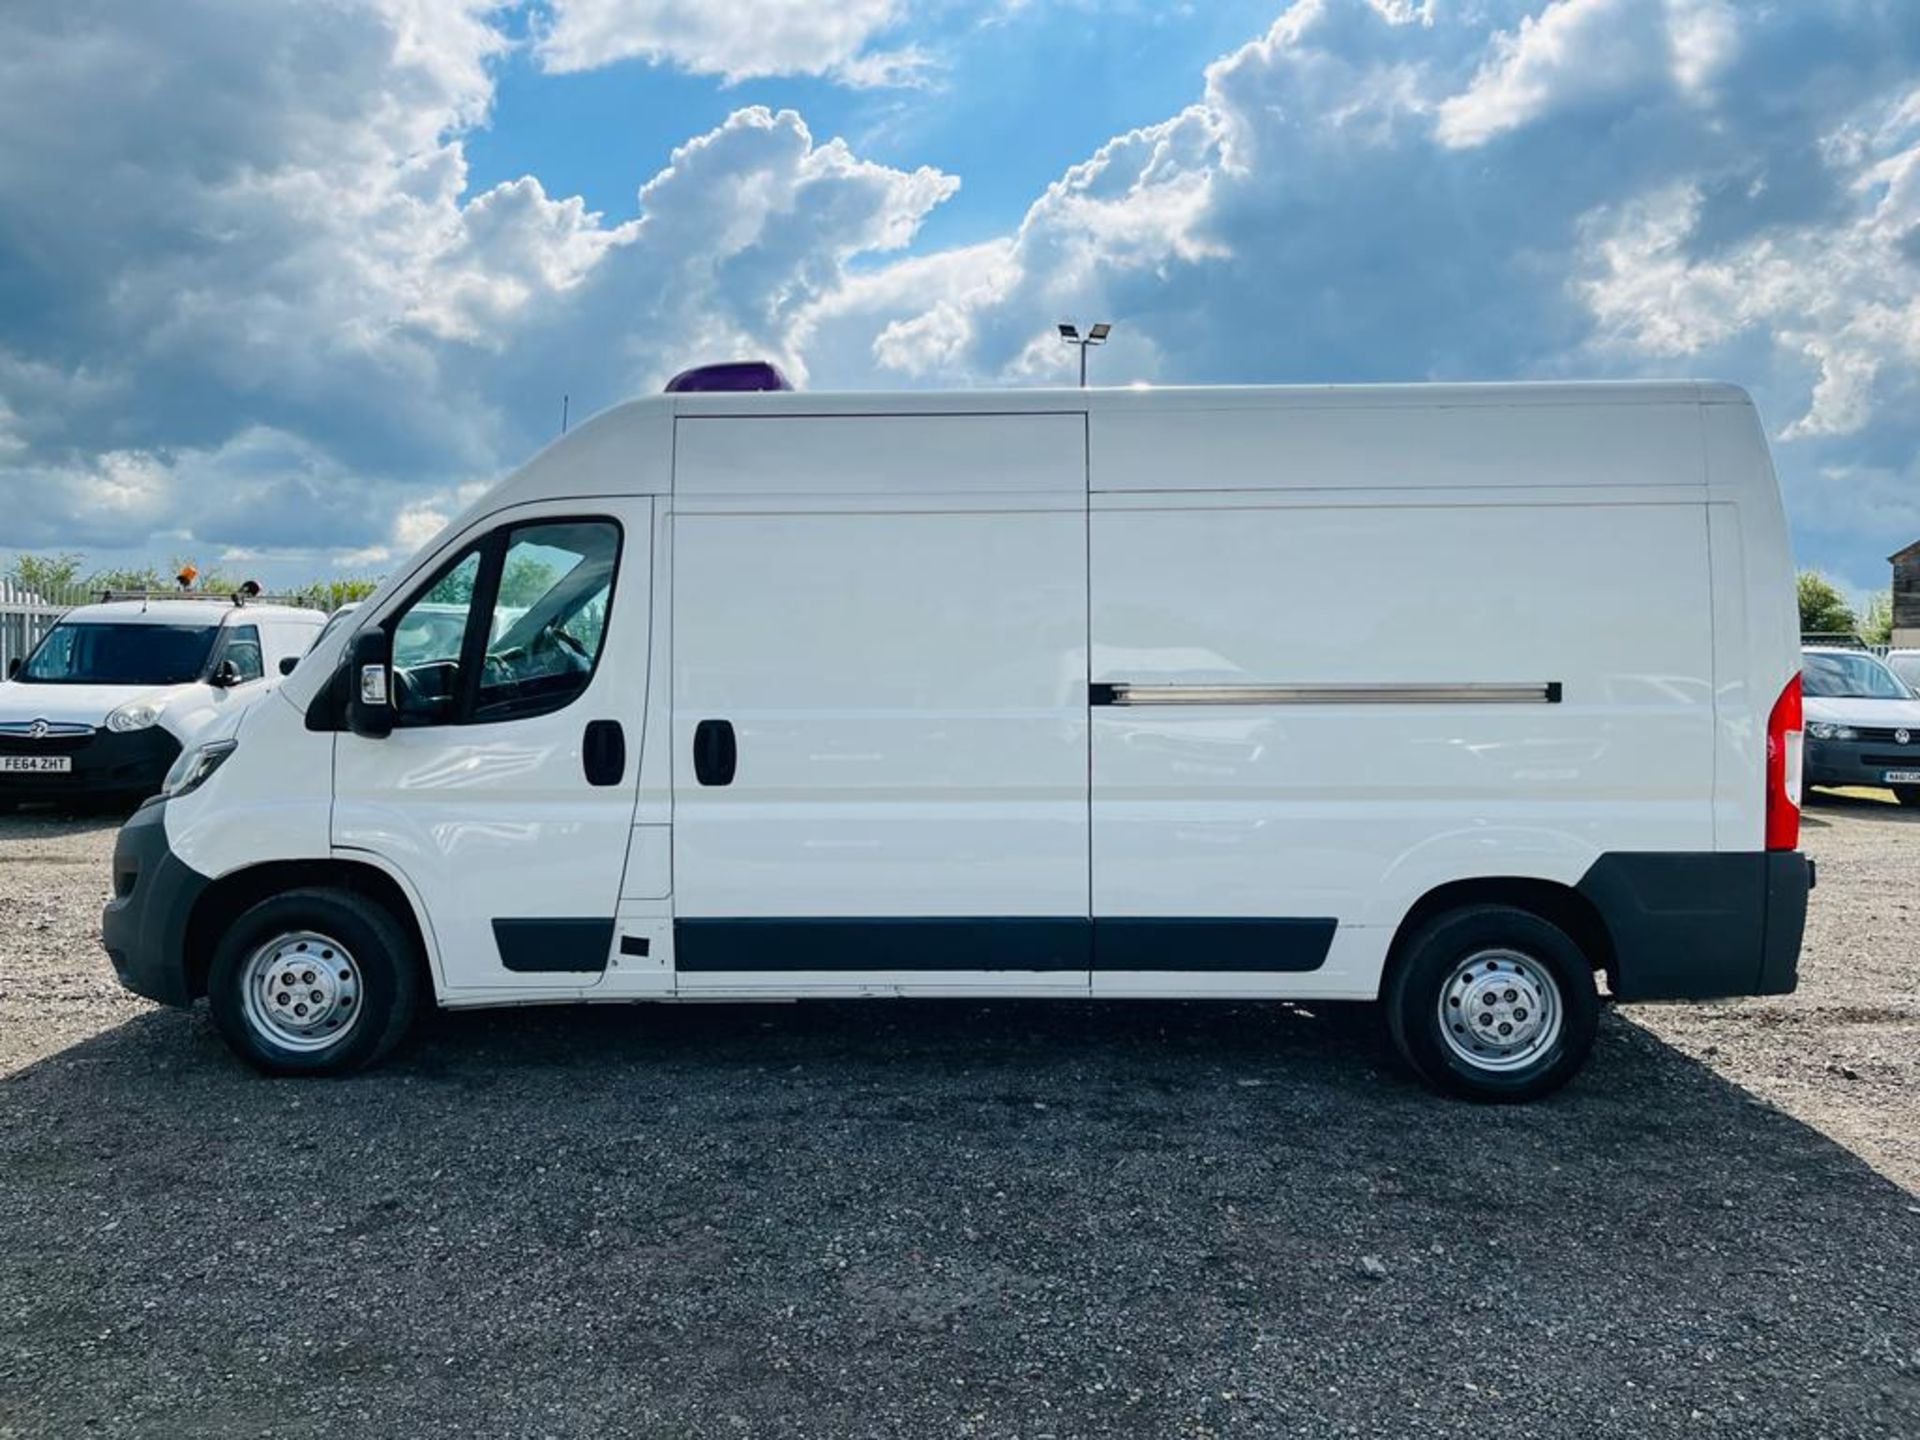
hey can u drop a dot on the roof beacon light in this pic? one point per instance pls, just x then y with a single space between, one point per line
734 377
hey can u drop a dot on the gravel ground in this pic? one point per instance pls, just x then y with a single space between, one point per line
1010 1220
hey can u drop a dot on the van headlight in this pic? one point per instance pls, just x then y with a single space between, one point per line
1824 730
194 766
134 715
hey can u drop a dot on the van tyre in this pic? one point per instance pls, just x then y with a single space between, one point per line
1493 1003
1907 795
314 982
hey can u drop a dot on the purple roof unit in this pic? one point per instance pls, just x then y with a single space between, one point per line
734 377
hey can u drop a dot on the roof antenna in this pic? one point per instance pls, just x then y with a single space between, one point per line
564 400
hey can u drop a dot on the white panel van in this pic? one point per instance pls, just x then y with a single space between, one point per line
106 701
1465 699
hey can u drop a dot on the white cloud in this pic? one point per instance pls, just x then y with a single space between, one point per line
280 318
738 41
1582 53
273 318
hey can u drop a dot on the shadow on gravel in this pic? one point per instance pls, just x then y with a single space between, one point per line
928 1220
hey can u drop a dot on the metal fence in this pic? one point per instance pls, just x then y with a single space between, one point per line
1845 642
26 615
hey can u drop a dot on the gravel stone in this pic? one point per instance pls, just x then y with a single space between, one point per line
1007 1220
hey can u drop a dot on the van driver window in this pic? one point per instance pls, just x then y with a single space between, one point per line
550 617
426 647
243 652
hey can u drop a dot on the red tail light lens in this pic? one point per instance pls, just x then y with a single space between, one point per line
1783 769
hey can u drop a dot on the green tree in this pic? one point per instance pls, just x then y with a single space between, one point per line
1876 621
127 577
330 595
525 580
45 574
1823 611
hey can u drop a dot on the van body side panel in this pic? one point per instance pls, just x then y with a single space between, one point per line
1341 444
898 686
1354 808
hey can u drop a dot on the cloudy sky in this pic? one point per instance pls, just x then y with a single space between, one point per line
284 280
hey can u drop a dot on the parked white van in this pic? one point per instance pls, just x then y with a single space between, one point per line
106 701
1451 697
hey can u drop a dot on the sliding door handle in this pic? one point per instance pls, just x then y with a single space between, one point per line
716 755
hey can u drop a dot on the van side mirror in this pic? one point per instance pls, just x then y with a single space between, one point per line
225 675
288 664
370 684
13 667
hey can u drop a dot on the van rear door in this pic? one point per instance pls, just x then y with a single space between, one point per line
879 706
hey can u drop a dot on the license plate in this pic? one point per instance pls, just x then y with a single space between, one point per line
1903 777
38 764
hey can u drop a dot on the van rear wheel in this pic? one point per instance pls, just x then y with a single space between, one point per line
1490 1002
313 982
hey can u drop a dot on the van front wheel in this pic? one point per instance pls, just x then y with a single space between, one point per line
313 982
1493 1003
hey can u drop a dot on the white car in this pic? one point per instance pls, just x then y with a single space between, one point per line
1443 696
109 697
1863 723
1906 664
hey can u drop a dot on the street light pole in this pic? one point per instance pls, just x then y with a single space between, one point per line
1095 336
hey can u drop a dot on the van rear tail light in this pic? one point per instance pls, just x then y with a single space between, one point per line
1783 769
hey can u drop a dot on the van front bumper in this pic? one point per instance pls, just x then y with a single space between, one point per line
144 926
105 763
1702 926
1859 762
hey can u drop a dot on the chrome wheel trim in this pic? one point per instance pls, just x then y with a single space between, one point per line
301 991
1500 1010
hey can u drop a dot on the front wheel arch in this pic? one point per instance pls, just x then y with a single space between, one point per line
233 894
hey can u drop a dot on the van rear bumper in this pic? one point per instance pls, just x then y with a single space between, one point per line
1702 926
144 926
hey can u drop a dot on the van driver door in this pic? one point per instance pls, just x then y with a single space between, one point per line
505 795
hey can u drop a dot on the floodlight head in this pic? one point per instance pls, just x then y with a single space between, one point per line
1100 332
1069 332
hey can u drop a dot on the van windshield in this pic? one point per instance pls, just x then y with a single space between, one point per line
78 653
1851 677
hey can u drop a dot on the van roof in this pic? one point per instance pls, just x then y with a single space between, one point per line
195 611
1195 397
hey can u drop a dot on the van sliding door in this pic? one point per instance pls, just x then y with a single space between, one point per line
880 723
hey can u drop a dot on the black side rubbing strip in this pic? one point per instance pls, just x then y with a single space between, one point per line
554 947
1212 946
984 943
716 754
992 943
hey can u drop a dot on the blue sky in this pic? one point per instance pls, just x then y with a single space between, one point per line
284 283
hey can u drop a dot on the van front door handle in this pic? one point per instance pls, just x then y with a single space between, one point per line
603 753
716 755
